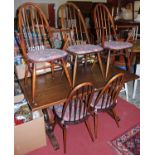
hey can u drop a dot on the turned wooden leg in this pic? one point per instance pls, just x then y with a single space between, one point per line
100 63
33 82
74 71
108 63
128 61
26 74
64 137
95 124
52 69
89 129
95 61
112 113
64 64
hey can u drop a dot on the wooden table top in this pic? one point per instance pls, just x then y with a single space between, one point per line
54 91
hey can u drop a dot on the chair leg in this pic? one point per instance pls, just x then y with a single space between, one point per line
66 72
108 63
74 71
64 137
100 63
95 124
52 69
33 82
89 130
134 89
26 74
112 113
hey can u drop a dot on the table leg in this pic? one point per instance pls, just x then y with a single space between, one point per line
74 71
49 131
108 63
100 63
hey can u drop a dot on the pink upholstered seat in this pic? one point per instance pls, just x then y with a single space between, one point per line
117 45
79 114
84 49
46 55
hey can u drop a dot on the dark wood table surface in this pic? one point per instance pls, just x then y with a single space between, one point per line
54 91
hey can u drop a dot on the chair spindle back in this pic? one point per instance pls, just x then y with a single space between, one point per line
33 27
69 16
110 92
78 103
104 23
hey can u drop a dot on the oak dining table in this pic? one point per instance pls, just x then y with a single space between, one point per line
51 91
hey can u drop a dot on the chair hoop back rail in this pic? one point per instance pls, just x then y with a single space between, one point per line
106 99
75 110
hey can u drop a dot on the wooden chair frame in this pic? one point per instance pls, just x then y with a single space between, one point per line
108 98
35 34
78 105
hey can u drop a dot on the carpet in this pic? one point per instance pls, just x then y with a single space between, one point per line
129 142
79 141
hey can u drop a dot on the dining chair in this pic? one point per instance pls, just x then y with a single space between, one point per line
70 17
75 109
36 44
107 36
119 49
106 99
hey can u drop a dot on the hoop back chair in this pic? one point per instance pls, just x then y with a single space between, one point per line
75 109
107 36
106 99
70 17
35 41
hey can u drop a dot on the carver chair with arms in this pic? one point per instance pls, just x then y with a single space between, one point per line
36 44
106 99
75 109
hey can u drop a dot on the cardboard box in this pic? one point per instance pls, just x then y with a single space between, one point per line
30 135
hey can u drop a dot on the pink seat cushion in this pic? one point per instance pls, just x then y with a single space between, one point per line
58 109
46 55
117 45
84 49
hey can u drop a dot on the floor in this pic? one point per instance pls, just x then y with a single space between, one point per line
135 101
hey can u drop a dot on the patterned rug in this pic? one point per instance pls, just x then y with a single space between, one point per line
128 143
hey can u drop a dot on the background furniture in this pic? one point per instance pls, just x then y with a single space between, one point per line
106 99
75 110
